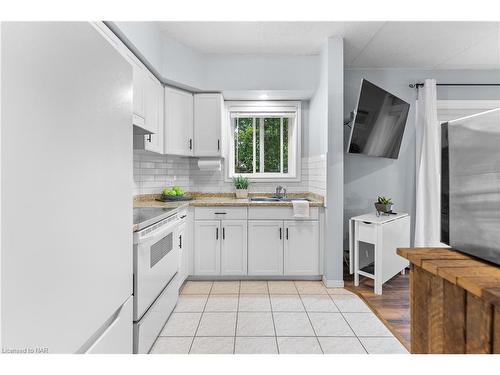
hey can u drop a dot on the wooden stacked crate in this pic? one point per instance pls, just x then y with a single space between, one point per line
455 302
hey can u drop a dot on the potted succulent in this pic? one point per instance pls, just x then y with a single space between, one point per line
241 184
383 205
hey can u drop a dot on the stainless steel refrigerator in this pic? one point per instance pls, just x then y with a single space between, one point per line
66 180
470 185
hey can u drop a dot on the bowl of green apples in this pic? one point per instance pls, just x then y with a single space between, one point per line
175 193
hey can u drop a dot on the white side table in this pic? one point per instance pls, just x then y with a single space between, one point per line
386 233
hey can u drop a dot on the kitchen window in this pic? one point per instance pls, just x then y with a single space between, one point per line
264 140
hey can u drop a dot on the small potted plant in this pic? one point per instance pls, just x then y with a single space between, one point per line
241 184
383 205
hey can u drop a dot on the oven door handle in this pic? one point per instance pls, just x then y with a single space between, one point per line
159 233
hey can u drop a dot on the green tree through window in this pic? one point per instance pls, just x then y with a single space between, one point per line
274 145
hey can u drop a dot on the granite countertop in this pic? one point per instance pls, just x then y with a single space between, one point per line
223 199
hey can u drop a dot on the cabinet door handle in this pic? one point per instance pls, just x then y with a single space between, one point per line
220 213
286 233
218 144
183 216
190 144
216 233
149 138
223 233
281 236
180 242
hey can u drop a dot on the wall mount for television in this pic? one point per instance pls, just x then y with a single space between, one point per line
421 84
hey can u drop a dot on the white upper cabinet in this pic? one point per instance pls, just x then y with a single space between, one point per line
154 115
208 110
301 248
178 138
140 81
145 98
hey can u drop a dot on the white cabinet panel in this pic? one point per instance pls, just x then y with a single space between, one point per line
178 139
139 86
180 238
207 247
265 247
117 337
220 213
301 248
208 110
234 247
154 115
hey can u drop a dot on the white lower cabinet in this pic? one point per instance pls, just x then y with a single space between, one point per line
233 249
180 237
301 248
220 247
240 247
206 248
265 247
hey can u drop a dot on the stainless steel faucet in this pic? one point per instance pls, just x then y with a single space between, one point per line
280 192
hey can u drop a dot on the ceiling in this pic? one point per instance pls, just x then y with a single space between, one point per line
367 45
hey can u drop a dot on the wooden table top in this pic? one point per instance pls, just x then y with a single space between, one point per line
478 277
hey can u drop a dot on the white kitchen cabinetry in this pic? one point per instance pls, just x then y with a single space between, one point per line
154 115
207 247
301 248
233 248
178 137
265 247
283 248
139 89
208 109
180 237
220 246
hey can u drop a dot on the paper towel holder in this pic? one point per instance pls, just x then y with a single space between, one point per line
210 164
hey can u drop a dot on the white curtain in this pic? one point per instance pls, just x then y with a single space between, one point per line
428 150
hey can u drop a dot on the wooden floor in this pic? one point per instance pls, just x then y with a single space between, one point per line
392 307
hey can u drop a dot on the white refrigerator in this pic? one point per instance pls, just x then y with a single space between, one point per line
66 181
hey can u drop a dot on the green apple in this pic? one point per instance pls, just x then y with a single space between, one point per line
168 192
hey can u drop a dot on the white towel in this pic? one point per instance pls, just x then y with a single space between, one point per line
300 208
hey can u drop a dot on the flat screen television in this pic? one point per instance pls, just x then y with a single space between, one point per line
379 122
470 185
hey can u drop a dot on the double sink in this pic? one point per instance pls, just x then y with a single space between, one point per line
276 199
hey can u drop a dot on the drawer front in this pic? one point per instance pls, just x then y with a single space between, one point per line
149 327
220 213
367 232
278 213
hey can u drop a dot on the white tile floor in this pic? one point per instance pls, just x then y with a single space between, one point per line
271 317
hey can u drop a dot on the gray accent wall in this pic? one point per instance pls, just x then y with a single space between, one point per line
366 177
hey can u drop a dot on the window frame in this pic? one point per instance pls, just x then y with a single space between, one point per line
261 108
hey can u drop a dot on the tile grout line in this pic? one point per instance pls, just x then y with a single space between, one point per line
309 318
201 317
237 315
343 317
272 317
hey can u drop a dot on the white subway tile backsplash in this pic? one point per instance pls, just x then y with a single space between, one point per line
153 172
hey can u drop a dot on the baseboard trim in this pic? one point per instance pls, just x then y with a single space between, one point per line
333 283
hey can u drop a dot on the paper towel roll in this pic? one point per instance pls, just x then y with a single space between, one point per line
209 164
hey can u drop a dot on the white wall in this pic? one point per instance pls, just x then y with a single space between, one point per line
367 177
247 72
316 141
325 134
144 39
184 67
335 163
153 172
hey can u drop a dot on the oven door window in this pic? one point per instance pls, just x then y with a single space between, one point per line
160 249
